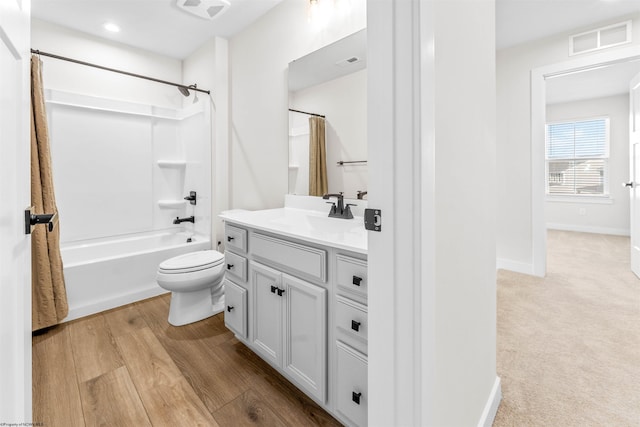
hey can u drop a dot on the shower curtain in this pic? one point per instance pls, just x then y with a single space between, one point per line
48 293
317 157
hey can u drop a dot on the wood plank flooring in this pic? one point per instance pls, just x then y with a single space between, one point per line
128 366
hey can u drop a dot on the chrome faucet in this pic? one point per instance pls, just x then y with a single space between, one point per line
339 211
188 219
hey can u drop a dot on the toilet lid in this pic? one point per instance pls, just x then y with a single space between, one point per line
192 261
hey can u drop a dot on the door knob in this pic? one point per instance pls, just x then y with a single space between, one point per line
629 184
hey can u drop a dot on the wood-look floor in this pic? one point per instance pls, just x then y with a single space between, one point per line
129 367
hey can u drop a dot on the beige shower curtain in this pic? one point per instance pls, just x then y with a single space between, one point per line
48 293
317 157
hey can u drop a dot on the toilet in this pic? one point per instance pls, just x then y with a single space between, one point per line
195 282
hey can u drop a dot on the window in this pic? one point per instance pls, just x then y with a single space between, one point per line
577 158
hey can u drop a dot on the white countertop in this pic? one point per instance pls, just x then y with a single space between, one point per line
308 225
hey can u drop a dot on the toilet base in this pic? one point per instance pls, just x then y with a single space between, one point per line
190 307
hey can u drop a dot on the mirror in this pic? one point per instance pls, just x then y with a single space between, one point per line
332 83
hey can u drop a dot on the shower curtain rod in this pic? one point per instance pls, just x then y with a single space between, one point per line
140 76
304 112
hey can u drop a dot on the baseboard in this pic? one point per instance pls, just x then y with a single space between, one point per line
491 407
589 229
516 266
108 304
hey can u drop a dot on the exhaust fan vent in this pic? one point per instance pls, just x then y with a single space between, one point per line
207 9
348 61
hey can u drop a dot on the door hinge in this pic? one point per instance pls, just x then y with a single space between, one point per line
373 219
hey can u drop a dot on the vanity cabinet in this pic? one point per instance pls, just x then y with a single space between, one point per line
289 326
305 313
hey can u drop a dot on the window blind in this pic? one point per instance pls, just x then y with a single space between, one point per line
577 157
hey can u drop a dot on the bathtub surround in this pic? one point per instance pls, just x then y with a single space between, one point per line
161 155
49 296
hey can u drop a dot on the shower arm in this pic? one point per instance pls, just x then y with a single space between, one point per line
140 76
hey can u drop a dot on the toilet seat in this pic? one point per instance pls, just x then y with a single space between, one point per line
191 262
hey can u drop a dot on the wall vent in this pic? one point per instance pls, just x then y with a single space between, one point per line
600 38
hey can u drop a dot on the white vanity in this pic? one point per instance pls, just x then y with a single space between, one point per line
296 294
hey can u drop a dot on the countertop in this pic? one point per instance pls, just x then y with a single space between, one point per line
308 225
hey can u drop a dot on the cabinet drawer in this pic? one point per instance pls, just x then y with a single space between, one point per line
351 276
235 315
235 266
351 321
301 260
351 388
235 238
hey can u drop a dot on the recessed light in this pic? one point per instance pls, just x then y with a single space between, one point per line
110 26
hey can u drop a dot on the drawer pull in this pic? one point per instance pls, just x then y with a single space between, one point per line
356 397
229 238
355 325
229 266
273 289
357 280
280 292
229 308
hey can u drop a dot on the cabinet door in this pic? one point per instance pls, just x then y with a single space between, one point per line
235 315
305 341
266 331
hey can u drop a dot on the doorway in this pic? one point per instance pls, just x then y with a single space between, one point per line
539 77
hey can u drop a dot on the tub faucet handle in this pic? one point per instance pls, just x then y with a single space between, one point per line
191 198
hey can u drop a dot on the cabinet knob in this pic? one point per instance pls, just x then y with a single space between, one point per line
229 238
229 308
356 397
357 280
355 325
273 289
229 266
280 292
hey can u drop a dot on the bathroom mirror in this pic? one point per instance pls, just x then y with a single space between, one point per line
330 82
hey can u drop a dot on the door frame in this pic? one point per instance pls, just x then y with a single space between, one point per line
538 114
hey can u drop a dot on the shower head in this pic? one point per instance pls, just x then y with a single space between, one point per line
185 90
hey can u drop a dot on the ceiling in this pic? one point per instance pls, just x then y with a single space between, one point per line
158 26
590 84
161 26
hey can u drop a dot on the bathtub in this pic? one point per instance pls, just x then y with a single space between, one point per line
107 273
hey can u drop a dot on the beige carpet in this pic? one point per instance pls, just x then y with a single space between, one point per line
569 344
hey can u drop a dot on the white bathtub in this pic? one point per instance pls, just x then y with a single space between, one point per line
108 273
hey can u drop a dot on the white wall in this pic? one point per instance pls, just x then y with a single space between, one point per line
259 57
465 294
610 218
514 209
344 103
69 77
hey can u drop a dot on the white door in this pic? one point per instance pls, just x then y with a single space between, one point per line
634 169
15 245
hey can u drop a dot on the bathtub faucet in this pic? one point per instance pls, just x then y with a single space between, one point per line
188 219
